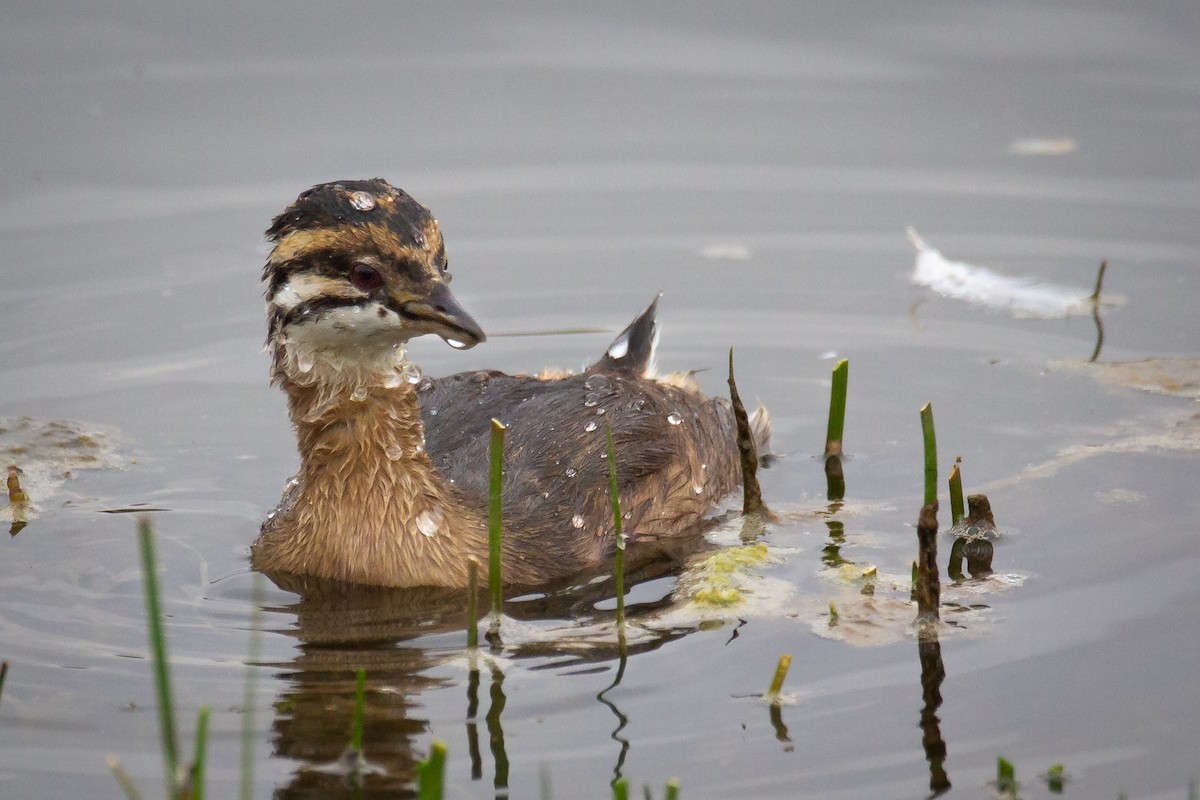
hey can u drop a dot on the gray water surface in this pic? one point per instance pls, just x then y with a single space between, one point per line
759 166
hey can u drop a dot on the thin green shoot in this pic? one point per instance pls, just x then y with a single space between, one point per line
431 773
957 510
158 647
837 409
1056 778
472 605
930 453
360 692
200 753
496 517
781 671
672 792
619 566
620 789
1006 776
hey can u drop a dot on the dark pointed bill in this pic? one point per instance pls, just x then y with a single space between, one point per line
441 314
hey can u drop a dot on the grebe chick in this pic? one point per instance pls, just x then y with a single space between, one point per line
392 485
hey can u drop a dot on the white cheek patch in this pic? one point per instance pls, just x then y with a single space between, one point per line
354 344
351 329
306 286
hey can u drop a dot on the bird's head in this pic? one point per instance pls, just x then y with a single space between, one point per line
358 268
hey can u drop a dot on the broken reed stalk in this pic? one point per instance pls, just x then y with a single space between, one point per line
957 511
158 649
781 671
1095 298
751 493
3 675
122 777
837 409
930 453
472 605
360 693
619 566
431 773
928 590
200 753
496 517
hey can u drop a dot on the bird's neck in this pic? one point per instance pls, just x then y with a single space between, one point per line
370 506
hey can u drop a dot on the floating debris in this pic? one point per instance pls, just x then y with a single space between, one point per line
1020 296
1033 146
726 252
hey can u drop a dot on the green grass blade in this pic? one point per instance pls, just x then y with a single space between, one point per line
781 671
431 773
360 692
620 789
957 510
619 567
1006 776
672 792
496 516
472 605
158 648
837 409
930 453
200 753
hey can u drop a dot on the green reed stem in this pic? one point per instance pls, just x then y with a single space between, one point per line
1006 776
837 409
158 649
620 789
619 567
472 605
672 792
930 453
957 511
200 753
360 693
781 671
431 773
496 516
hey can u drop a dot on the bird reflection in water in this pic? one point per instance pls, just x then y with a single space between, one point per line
342 627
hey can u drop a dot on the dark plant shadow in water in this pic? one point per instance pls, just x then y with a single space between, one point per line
342 627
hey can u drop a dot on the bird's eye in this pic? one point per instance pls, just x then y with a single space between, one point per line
365 277
446 276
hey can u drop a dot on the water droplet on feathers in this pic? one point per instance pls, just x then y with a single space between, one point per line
362 201
429 521
674 418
